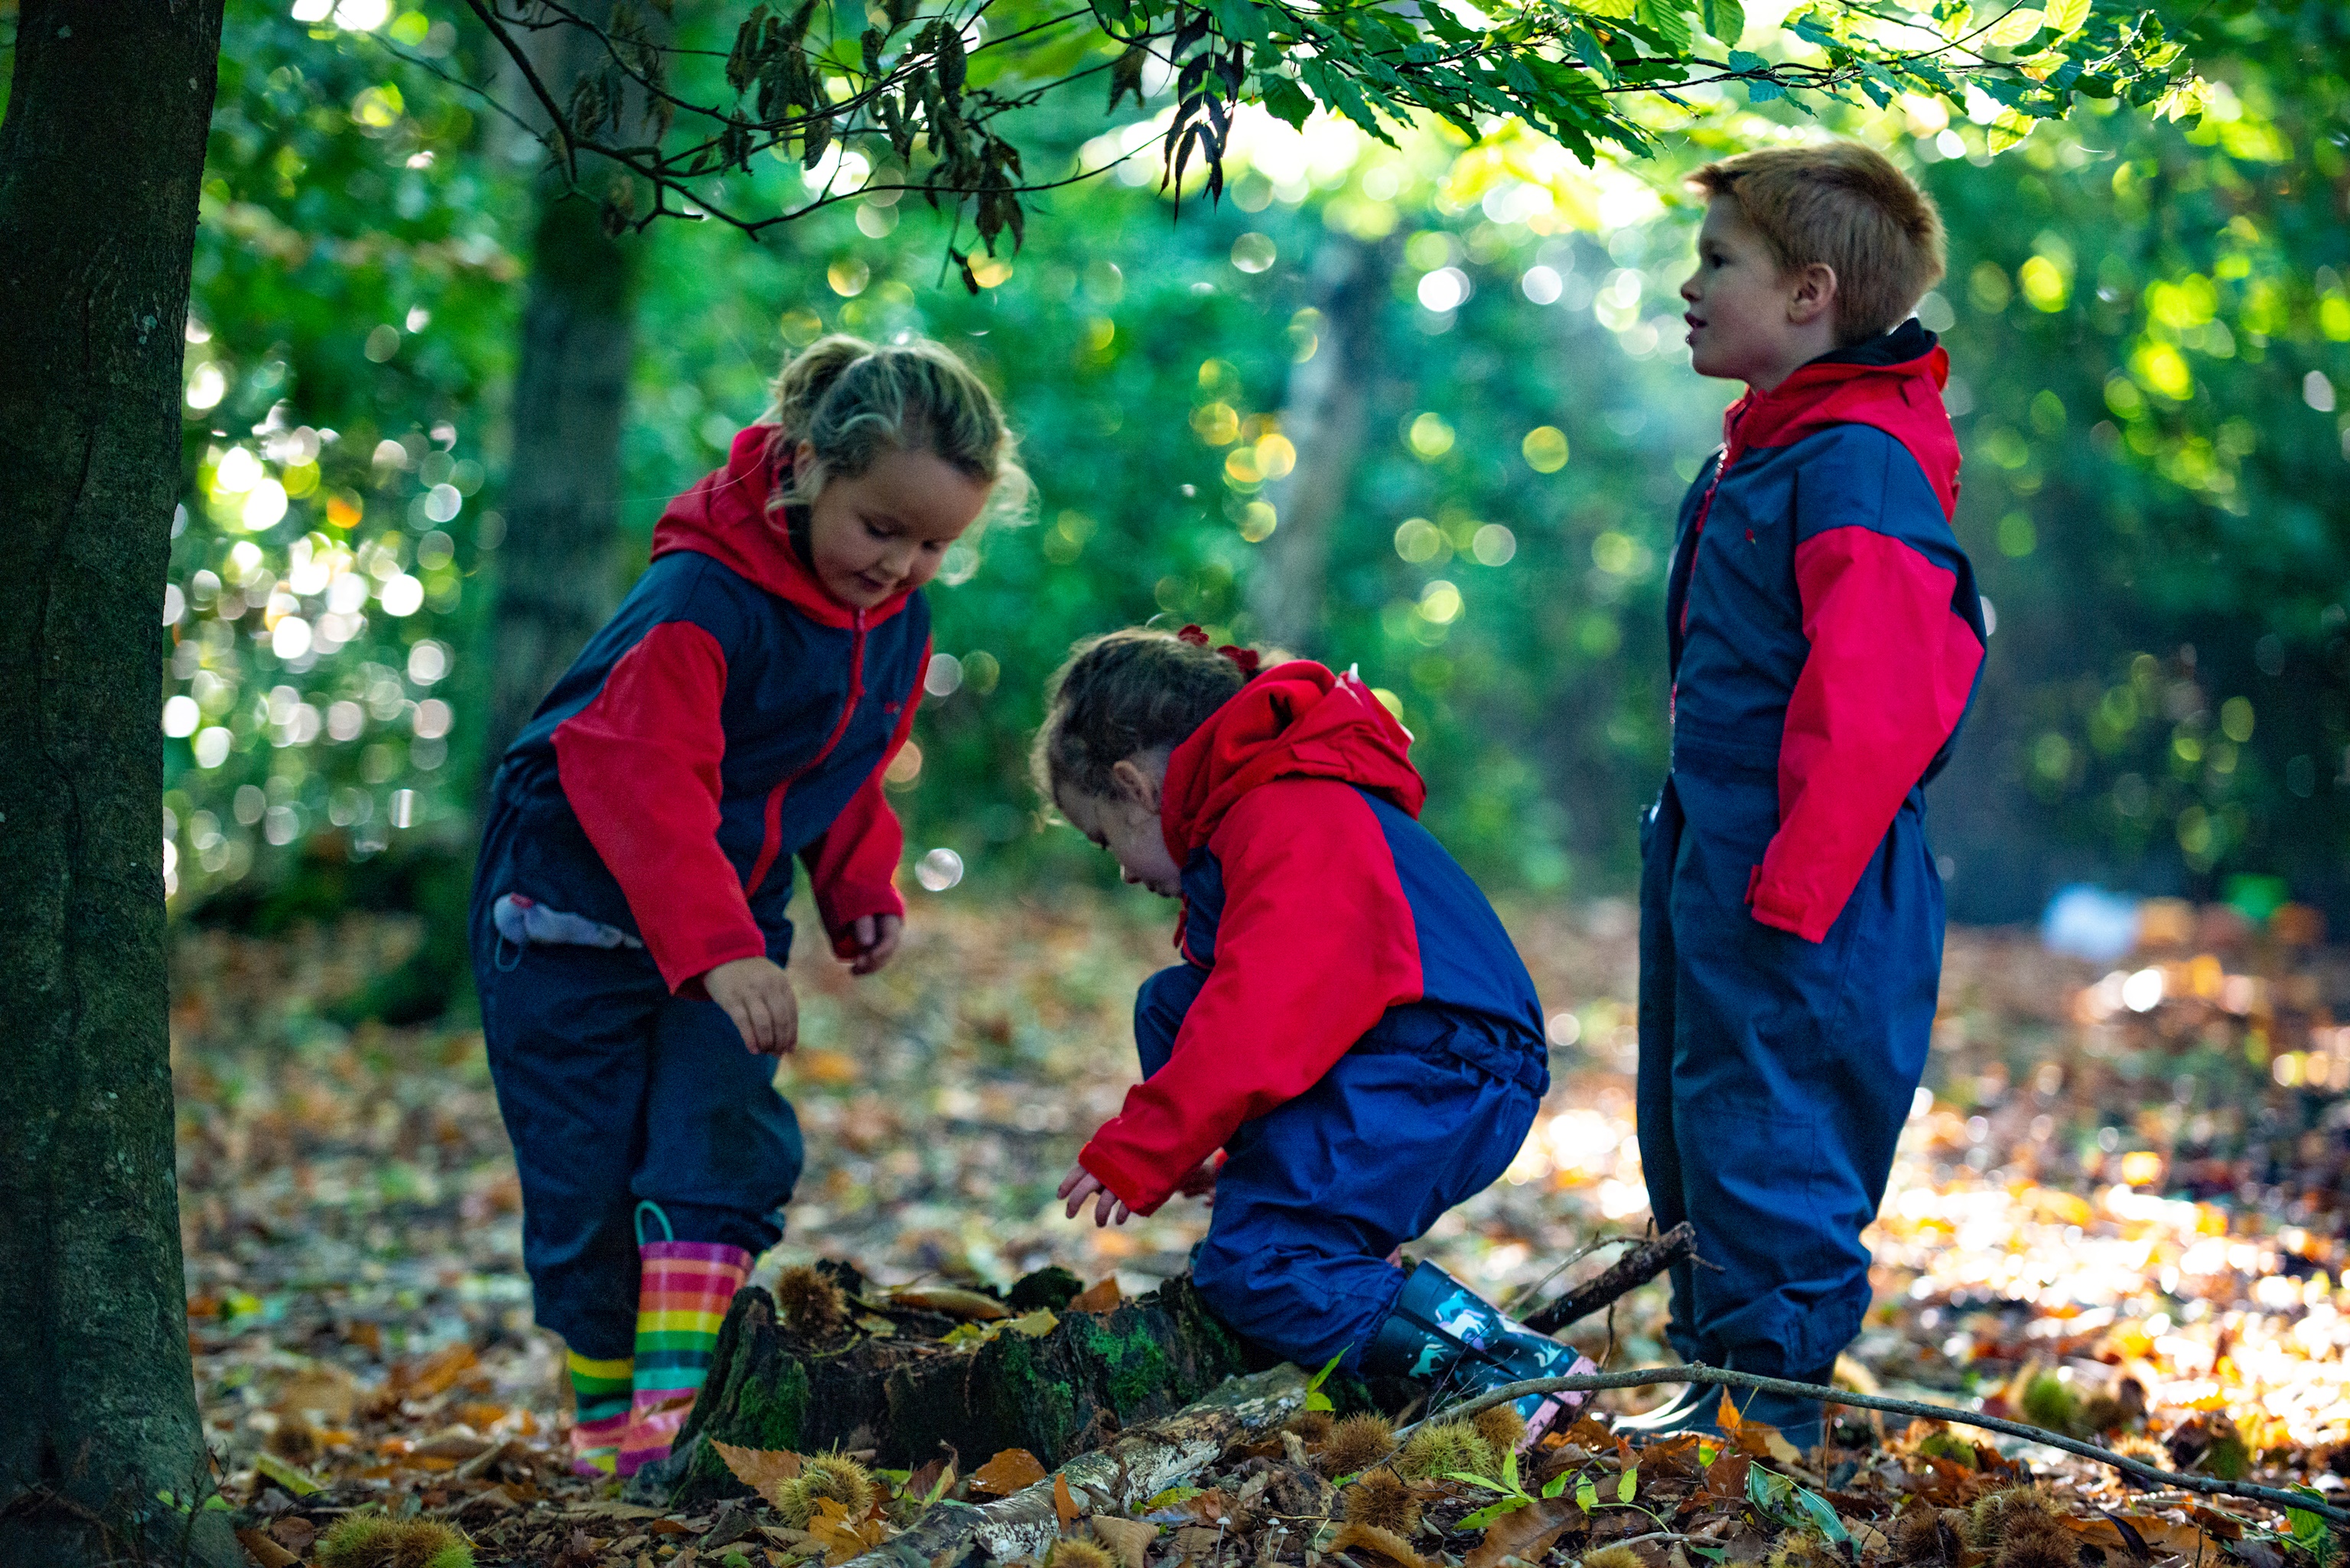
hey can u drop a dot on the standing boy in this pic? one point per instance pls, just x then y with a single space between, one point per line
1825 637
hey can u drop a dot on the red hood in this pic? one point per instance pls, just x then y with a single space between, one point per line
1903 398
725 518
1293 721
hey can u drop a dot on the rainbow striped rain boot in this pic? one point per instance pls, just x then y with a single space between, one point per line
599 1394
681 1300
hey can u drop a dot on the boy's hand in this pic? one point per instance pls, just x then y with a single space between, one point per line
875 939
757 995
1081 1184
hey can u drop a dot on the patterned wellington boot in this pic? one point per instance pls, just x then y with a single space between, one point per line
682 1299
599 1397
1442 1329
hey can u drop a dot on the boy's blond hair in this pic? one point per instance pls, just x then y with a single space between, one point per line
1847 205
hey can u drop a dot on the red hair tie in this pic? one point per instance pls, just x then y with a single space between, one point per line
1245 658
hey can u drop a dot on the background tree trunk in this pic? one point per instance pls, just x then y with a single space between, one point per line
1322 413
101 157
559 572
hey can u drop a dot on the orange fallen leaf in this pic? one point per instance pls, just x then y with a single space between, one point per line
1007 1472
759 1468
1063 1503
841 1537
1102 1297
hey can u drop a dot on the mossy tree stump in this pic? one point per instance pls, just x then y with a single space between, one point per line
903 1394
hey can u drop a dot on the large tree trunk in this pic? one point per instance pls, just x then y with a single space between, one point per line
1323 412
101 157
559 571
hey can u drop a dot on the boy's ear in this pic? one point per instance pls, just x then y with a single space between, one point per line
1135 785
1814 296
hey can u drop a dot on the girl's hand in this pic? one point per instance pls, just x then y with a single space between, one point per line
1081 1184
1202 1182
876 937
757 995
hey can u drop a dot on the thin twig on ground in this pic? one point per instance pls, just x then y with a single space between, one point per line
1722 1377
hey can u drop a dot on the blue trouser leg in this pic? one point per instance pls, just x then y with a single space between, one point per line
615 1092
1661 1160
1788 1071
1315 1195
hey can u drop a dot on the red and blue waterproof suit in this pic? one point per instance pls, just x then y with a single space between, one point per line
1350 1023
733 714
1826 640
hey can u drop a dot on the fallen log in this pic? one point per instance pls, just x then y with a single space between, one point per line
1055 1381
1112 1480
1626 1273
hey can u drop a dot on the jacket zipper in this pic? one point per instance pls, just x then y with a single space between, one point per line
772 842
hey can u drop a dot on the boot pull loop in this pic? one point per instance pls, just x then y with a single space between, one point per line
668 1234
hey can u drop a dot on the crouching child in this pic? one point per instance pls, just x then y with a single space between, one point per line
1349 1024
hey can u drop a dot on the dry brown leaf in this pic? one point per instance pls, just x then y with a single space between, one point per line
1527 1532
453 1443
1195 1542
436 1374
1129 1540
294 1532
1063 1504
266 1551
1007 1472
759 1468
324 1393
952 1300
927 1479
1102 1297
1372 1546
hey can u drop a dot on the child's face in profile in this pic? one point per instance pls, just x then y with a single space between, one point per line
1749 320
886 530
1125 823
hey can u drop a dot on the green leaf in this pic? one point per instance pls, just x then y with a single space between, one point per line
2065 17
1314 1399
1556 1485
1627 1484
1492 1511
1587 1494
1510 1471
1722 19
1474 1479
288 1476
1782 1501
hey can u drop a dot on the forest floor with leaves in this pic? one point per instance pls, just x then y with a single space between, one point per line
2120 1211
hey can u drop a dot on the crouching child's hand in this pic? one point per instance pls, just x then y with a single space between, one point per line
869 941
757 995
1202 1182
1081 1184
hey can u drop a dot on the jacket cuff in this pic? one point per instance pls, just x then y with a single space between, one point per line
682 971
1142 1196
1772 907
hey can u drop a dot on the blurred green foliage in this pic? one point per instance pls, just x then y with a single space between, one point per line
2148 317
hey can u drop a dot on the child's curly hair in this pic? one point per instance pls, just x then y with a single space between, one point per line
854 401
1124 693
